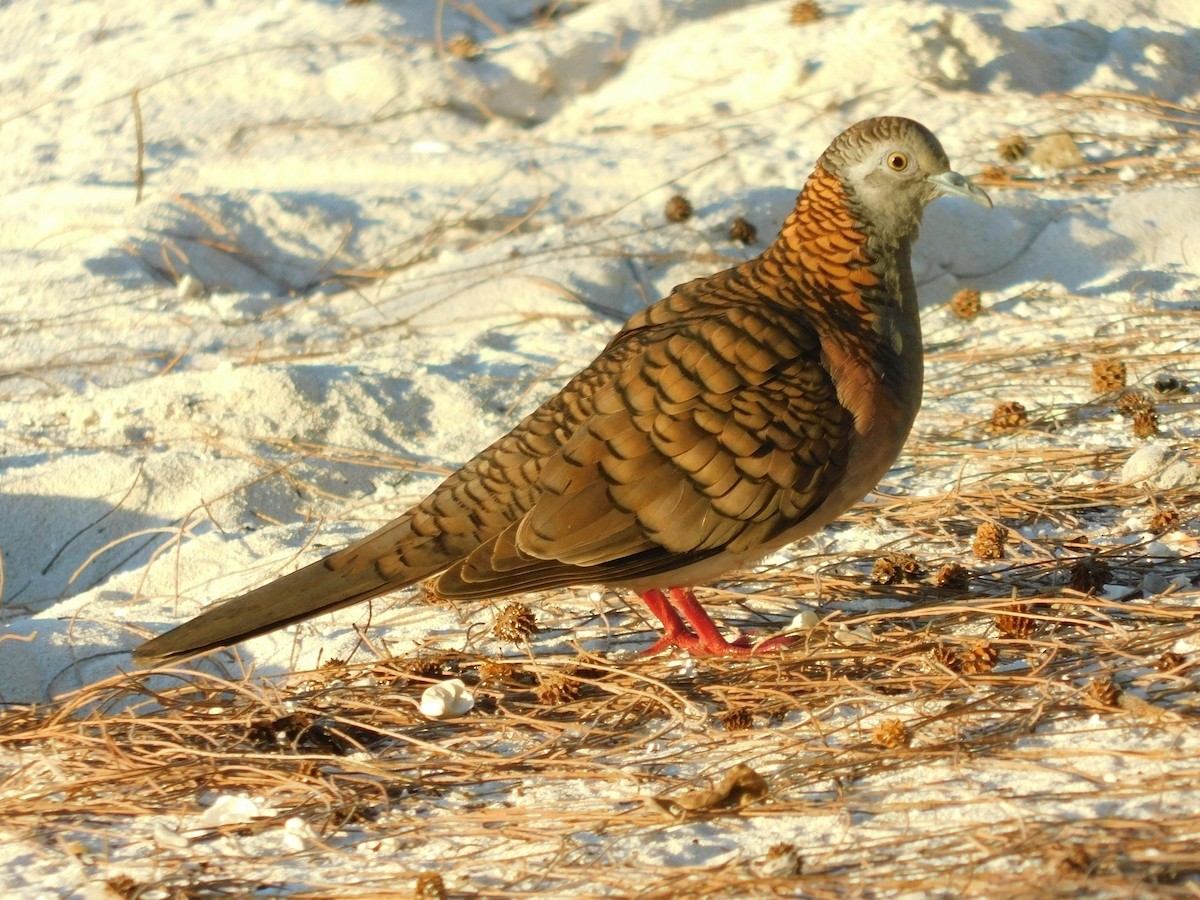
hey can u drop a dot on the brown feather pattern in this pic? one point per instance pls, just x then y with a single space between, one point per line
743 410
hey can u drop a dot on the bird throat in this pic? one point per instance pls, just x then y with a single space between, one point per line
824 255
859 297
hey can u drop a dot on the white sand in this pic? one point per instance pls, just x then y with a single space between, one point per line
166 445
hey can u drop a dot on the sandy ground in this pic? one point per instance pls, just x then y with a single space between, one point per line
271 272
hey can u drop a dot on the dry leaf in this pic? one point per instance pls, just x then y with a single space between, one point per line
740 786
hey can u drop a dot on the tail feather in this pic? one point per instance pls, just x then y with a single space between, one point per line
315 589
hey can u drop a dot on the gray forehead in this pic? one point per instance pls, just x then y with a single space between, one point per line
869 139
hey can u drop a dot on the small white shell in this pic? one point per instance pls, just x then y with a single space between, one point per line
804 620
297 834
230 809
446 700
852 636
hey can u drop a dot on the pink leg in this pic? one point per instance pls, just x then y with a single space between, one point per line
710 639
675 633
704 638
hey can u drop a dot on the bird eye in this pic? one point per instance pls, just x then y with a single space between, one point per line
897 161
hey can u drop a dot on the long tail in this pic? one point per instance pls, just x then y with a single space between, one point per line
317 588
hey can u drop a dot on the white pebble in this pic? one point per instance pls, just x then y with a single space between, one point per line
1161 467
232 810
1116 592
447 700
167 837
297 834
851 636
804 620
1145 462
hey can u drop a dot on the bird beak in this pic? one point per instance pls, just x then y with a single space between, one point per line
956 185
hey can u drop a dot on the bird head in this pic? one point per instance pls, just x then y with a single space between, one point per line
891 168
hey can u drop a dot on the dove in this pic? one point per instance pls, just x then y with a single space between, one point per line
742 412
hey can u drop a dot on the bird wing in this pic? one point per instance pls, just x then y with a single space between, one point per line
698 436
711 425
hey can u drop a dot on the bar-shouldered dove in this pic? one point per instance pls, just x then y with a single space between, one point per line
743 411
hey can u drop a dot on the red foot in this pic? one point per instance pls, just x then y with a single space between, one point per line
704 639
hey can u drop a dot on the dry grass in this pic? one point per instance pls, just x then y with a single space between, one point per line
888 723
550 785
896 727
1126 159
345 749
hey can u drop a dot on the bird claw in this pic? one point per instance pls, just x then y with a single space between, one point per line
779 642
751 644
742 645
703 639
